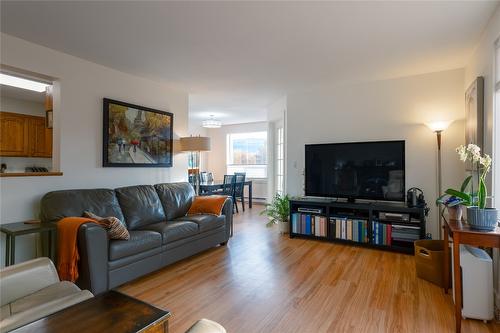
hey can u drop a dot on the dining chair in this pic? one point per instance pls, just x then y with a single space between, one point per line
238 193
203 177
210 177
228 185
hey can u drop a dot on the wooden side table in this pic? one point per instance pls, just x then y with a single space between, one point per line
461 233
12 230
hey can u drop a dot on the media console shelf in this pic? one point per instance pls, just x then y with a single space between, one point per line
386 226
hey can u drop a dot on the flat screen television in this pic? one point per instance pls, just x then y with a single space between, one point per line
356 170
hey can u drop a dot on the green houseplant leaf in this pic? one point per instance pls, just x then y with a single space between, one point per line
482 194
278 210
465 183
464 196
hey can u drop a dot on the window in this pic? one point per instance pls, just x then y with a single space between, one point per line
247 152
280 162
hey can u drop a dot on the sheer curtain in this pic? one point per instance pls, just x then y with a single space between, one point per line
496 173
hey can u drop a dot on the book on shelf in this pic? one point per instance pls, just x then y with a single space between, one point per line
309 224
382 233
349 229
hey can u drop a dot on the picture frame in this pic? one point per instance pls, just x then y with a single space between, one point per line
136 136
474 113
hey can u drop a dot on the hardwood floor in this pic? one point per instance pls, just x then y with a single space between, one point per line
264 282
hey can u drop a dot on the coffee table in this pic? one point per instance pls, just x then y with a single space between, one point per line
109 312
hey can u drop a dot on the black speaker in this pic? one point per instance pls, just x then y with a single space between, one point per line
415 197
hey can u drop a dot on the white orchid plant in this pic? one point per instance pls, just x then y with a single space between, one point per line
467 196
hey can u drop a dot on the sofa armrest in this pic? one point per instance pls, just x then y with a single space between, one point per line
26 278
206 326
227 210
93 249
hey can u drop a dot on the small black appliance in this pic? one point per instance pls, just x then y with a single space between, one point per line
415 197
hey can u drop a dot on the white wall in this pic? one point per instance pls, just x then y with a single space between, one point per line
482 63
383 110
217 159
14 105
78 91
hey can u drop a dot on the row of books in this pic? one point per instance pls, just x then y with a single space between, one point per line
349 229
381 233
308 224
385 234
353 229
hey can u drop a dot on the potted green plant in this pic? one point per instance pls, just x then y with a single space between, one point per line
278 212
473 197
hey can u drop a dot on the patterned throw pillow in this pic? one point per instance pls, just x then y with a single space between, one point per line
114 227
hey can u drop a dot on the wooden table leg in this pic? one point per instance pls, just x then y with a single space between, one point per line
457 274
250 194
7 250
446 272
12 250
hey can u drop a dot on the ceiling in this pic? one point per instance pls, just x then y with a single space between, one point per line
235 58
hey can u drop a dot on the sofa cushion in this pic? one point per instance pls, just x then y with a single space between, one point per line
175 230
54 291
205 222
176 198
59 204
140 241
140 205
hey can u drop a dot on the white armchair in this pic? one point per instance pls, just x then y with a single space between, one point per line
32 290
206 326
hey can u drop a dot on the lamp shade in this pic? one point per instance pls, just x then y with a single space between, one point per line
195 143
438 126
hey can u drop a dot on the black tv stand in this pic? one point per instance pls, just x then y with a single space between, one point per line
358 223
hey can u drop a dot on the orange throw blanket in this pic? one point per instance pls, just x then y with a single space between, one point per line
67 248
210 204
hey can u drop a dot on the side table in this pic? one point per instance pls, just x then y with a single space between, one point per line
462 233
12 230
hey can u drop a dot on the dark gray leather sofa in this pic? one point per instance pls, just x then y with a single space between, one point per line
160 231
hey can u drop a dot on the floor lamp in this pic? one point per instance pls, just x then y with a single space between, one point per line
438 127
195 145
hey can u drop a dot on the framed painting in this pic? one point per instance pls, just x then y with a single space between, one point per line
474 112
136 136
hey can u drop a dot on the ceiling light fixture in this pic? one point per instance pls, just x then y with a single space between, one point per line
211 123
18 82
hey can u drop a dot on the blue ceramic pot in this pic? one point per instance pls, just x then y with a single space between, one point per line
482 219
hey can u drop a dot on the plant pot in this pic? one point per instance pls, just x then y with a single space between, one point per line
455 212
482 219
284 227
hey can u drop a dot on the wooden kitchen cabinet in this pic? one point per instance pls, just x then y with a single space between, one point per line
24 136
40 138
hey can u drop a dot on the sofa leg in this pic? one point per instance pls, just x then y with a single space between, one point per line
223 243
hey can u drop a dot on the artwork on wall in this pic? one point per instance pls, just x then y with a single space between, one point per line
474 112
136 136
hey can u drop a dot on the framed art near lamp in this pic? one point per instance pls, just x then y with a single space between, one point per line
136 136
474 112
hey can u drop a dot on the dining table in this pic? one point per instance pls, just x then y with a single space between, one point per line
212 186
